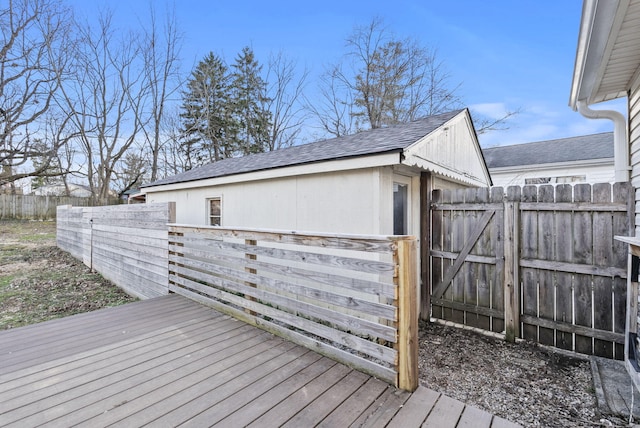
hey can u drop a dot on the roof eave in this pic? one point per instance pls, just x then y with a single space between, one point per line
600 20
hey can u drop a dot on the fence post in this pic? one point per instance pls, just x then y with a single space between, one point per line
249 256
407 315
511 264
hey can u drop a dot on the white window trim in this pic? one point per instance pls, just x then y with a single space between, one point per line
208 209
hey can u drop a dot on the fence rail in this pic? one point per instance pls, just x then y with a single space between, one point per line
127 244
350 298
537 262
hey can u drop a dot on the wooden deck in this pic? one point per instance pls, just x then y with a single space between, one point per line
169 361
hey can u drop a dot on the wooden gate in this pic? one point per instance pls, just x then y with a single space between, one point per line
537 262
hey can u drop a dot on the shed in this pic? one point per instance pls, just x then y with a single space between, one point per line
366 183
375 182
586 158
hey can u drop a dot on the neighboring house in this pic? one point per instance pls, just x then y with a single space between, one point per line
567 160
77 190
367 183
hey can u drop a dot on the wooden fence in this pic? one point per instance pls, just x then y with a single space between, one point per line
32 207
127 244
351 298
537 262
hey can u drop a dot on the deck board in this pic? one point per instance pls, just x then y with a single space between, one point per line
169 361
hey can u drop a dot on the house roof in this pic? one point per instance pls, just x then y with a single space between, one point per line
587 147
608 53
375 141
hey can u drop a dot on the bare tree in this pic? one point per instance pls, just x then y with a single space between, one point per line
33 38
382 80
284 101
485 124
161 54
396 80
334 107
106 100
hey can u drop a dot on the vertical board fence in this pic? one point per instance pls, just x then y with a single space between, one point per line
34 207
351 298
537 262
127 244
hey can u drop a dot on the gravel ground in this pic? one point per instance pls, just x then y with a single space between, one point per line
521 382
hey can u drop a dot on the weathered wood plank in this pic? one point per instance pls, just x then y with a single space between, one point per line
326 403
343 338
314 293
511 279
445 413
414 412
367 286
379 413
337 319
260 405
350 409
605 335
529 250
546 251
350 263
367 243
437 245
583 253
564 237
345 357
297 401
140 408
603 287
220 407
179 407
561 206
497 274
472 417
570 267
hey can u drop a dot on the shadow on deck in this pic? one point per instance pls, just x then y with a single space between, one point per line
170 361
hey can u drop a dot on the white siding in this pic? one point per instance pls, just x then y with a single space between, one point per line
601 173
451 151
339 202
634 139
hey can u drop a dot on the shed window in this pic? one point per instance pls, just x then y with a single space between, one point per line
215 211
400 208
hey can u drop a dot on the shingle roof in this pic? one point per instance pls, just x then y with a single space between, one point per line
375 141
587 147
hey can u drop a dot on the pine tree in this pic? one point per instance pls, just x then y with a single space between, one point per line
207 113
250 101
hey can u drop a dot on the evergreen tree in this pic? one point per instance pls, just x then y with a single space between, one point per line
207 113
250 103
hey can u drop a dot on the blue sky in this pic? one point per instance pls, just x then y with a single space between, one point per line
505 54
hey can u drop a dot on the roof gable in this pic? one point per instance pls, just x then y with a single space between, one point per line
587 147
371 142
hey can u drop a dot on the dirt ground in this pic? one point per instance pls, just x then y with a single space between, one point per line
39 282
520 382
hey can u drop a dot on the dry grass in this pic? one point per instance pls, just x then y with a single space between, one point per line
39 282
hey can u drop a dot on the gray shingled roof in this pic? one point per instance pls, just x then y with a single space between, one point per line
587 147
375 141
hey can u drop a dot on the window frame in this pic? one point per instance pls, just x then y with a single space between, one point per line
210 216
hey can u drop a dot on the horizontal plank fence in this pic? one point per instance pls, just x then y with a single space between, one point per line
127 244
35 207
351 298
535 262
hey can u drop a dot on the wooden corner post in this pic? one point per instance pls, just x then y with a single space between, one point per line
407 315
